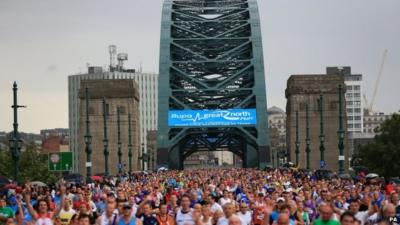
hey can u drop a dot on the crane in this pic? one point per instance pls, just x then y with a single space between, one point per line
378 78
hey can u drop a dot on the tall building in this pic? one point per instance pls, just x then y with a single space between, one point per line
303 91
122 94
374 121
152 148
354 105
148 92
277 131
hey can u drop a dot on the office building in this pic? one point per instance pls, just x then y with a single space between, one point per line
373 121
354 105
277 131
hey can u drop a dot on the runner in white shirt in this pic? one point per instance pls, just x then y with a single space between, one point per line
215 207
229 210
225 199
244 214
362 216
184 214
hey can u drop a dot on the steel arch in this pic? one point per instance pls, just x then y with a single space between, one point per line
211 58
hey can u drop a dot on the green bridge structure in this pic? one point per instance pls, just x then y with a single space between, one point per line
211 60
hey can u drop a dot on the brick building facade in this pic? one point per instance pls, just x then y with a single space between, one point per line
306 89
122 93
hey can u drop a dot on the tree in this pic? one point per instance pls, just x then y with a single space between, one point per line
383 155
33 166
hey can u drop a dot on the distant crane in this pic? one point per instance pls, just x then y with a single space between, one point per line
369 106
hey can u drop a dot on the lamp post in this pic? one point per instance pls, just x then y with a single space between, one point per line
341 132
119 141
142 157
130 143
15 141
88 140
297 143
321 131
153 165
105 140
307 140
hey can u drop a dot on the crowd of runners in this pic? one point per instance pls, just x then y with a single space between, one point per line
207 197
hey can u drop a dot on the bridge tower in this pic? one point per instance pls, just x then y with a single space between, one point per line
211 83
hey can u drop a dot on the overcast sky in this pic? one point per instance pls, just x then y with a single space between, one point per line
44 41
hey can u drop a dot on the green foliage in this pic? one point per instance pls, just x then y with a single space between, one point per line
383 155
33 166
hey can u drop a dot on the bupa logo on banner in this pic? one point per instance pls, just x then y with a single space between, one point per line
227 117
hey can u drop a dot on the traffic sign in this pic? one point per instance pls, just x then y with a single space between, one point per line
61 161
322 164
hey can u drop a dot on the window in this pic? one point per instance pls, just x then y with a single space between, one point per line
349 95
357 95
333 105
349 103
350 125
349 87
122 109
358 103
91 110
349 110
357 110
357 125
357 118
357 87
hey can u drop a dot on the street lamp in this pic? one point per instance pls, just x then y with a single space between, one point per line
105 140
321 131
88 140
297 143
15 141
153 159
144 157
341 132
308 141
119 141
130 143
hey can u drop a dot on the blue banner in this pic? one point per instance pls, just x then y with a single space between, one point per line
218 117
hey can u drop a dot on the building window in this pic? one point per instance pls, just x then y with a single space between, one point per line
333 105
357 125
122 109
91 110
357 87
358 110
349 110
349 87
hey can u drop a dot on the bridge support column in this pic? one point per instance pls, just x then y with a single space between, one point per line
175 159
264 156
250 157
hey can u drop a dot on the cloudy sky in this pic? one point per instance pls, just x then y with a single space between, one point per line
44 41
